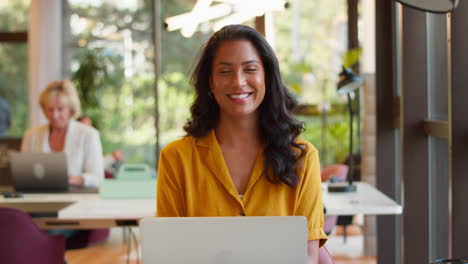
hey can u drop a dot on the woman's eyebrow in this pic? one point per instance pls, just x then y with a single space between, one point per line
224 63
243 63
250 61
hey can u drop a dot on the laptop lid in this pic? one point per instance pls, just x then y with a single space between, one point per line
39 172
7 145
226 240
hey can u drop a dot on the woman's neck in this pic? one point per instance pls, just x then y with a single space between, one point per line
238 131
58 131
57 137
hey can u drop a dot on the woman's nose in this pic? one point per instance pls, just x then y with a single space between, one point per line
239 79
55 114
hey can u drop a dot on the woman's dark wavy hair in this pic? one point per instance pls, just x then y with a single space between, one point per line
278 128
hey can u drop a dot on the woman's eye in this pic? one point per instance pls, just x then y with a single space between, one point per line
251 70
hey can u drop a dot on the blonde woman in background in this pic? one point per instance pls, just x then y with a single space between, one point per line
81 143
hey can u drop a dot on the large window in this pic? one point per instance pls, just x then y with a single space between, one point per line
14 61
108 53
310 40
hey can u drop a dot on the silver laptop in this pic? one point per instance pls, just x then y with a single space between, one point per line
39 172
226 240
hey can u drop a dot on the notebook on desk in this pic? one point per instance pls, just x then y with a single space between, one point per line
227 240
39 172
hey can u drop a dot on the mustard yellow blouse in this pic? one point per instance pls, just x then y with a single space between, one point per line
193 180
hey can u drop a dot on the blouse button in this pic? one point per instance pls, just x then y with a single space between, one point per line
241 214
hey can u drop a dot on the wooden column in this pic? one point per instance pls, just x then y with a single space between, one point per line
459 130
260 24
415 143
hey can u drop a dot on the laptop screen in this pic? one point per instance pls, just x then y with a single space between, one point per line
39 172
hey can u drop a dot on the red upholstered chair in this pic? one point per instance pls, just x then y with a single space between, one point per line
22 242
340 171
325 257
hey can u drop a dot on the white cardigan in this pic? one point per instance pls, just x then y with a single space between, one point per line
82 147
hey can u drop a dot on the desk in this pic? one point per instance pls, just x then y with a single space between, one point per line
81 211
87 211
40 203
366 200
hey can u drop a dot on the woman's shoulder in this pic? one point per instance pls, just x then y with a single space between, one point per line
308 147
35 131
83 129
181 145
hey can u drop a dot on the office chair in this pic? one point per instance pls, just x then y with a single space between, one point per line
337 172
325 257
329 223
23 242
133 172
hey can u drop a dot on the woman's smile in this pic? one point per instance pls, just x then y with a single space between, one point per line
240 97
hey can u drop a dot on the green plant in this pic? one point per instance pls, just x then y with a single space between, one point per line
351 57
89 79
334 146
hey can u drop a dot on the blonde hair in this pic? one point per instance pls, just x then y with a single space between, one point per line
67 93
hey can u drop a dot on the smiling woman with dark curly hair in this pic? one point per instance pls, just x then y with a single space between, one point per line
242 154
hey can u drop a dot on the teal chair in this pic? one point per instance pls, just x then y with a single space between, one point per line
133 181
133 172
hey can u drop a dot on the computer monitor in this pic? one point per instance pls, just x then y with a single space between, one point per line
7 145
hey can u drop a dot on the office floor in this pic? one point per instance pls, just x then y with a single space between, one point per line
114 250
350 252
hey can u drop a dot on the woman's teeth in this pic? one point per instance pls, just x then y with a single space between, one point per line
239 96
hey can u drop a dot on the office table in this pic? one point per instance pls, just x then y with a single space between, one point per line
81 211
367 200
87 211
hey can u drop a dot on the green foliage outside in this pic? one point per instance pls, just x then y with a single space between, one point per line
174 103
334 145
14 15
14 64
122 106
89 79
121 109
308 40
310 68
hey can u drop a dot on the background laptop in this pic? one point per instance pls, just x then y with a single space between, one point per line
224 240
39 172
7 145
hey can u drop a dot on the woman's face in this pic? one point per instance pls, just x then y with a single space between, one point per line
237 78
57 113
